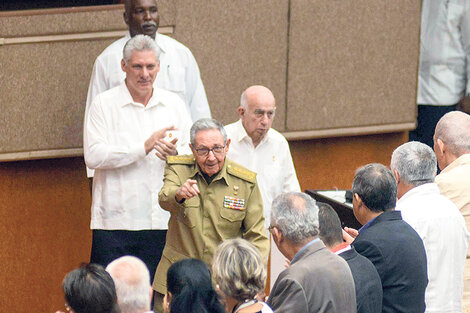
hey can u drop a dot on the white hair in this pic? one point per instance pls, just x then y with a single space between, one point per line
415 162
132 280
296 216
140 43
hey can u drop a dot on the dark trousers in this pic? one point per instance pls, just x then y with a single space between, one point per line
428 116
147 245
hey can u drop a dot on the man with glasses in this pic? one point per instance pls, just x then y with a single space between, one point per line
210 199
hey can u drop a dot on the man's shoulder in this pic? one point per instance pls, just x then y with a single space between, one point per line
185 160
274 134
170 43
239 171
115 48
110 96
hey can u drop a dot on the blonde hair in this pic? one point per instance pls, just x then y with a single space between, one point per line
238 269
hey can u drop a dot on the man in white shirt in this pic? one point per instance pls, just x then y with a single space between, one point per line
132 280
437 221
261 149
130 131
179 72
444 65
452 148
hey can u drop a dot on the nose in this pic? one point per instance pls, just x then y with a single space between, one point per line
147 15
211 155
264 119
145 72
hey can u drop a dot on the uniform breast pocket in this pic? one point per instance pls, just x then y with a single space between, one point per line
190 213
176 79
232 215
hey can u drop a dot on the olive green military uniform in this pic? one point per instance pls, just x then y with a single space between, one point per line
230 206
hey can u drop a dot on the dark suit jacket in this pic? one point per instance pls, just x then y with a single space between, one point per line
398 254
366 280
317 281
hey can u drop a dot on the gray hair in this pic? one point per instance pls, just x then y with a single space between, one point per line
238 269
132 280
295 214
376 186
243 101
140 43
206 124
415 162
454 130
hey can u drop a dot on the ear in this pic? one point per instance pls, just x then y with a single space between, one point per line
241 111
358 200
193 150
397 176
126 18
441 146
227 145
158 66
277 236
123 65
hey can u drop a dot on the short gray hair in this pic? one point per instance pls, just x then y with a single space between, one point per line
132 280
295 214
376 186
206 124
140 43
415 162
454 130
238 269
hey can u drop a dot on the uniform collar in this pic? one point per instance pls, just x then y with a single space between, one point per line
222 175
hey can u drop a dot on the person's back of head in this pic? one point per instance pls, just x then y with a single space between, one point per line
190 288
295 214
330 226
238 269
132 280
452 136
376 186
415 163
90 289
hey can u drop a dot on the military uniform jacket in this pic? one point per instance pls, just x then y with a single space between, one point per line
230 206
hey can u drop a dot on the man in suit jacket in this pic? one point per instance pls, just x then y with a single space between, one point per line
317 280
366 279
388 242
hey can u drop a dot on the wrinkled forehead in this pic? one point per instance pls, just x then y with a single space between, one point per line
209 138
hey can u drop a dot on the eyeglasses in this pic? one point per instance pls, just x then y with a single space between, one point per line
203 152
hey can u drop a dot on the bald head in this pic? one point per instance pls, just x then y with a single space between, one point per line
132 280
257 94
452 137
256 111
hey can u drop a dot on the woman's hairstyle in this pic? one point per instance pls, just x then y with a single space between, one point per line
238 269
189 282
90 289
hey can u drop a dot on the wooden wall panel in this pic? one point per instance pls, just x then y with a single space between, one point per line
44 226
352 63
236 44
330 163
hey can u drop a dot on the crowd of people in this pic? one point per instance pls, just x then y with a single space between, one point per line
186 212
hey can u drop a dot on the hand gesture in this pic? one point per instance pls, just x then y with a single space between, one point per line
188 190
349 234
163 148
